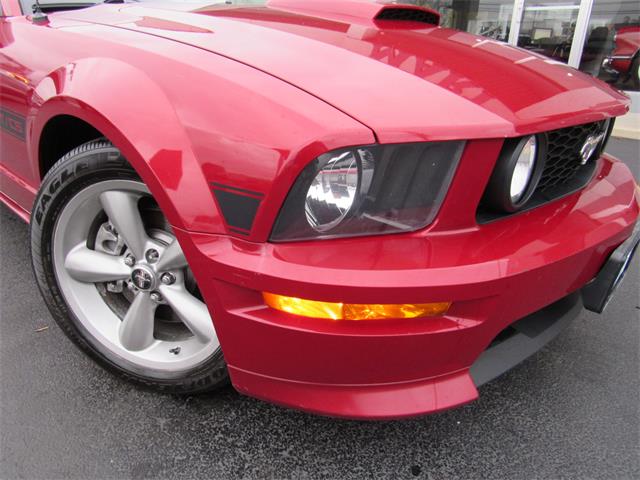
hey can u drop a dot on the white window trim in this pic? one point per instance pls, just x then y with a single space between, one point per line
580 33
516 22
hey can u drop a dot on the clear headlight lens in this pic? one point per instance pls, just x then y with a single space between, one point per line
368 190
332 192
523 170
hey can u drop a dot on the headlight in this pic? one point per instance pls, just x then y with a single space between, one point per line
368 190
332 192
517 173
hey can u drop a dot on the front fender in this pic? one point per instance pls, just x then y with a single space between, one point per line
133 112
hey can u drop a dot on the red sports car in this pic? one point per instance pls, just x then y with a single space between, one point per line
337 205
624 61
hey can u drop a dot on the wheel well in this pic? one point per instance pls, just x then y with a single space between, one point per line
60 135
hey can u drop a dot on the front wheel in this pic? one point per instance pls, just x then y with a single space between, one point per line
114 276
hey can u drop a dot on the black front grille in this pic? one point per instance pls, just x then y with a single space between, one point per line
564 170
408 15
563 155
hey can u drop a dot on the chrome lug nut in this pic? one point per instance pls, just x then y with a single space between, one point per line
156 297
115 287
152 255
129 260
168 278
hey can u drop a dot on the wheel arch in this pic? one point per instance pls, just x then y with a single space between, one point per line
140 122
60 135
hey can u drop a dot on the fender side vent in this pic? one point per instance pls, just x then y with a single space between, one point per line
238 206
409 15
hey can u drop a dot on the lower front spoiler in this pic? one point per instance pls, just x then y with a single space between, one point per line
397 400
524 338
597 293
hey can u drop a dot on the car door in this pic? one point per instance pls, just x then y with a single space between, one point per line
18 177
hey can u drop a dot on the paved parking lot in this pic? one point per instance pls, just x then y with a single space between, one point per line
571 411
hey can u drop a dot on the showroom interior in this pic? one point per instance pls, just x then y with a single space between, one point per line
585 34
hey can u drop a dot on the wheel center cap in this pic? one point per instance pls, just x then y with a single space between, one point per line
143 278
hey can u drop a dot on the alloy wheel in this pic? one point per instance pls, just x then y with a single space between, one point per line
126 279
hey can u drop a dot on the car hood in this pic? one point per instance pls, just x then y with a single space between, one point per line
406 81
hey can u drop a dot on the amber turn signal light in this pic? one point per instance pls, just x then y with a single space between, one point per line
353 311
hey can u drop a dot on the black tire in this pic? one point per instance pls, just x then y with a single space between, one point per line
87 164
634 72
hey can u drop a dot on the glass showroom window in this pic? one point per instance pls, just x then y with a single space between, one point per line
610 30
612 43
491 18
548 26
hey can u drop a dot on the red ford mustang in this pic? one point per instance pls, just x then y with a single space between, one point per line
368 214
624 61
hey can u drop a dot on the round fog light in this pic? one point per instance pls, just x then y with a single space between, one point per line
517 173
523 170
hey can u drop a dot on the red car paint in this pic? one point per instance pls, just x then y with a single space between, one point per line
626 49
247 97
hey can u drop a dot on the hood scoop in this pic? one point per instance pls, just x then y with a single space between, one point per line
403 14
359 10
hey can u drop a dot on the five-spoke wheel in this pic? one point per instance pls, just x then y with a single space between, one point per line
125 281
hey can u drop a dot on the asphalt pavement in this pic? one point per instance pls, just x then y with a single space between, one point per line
570 411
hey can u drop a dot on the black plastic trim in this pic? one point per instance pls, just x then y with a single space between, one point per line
238 209
528 336
403 14
597 293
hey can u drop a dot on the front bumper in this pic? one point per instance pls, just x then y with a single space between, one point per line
495 274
